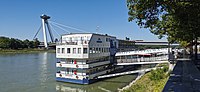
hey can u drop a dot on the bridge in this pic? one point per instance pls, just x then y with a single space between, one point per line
50 45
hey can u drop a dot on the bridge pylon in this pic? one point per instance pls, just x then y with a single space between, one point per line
44 25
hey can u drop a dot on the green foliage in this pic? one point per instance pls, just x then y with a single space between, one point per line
12 43
178 19
159 73
156 74
36 42
138 88
153 81
145 84
4 42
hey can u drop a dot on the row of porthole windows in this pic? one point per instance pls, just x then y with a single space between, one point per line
98 50
74 50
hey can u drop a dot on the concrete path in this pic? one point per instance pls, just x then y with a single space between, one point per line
185 77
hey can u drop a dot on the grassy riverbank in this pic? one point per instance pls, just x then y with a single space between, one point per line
12 51
153 81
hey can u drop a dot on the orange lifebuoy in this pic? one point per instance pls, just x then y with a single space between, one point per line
60 64
60 75
76 77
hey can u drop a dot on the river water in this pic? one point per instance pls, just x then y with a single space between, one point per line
35 72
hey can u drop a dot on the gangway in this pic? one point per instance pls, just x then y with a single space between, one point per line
125 73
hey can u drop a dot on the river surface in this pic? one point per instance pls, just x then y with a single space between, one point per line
35 72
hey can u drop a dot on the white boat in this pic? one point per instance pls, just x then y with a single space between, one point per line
82 57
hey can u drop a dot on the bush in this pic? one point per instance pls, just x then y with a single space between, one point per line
159 73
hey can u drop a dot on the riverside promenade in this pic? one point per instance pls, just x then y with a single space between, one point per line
185 77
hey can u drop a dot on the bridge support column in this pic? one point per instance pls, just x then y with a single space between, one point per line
44 22
44 33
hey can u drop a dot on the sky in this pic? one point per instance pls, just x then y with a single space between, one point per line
21 18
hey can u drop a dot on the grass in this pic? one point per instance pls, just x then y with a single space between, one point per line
153 81
12 51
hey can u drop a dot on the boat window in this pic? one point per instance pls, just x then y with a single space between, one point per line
68 50
79 50
118 57
84 50
74 50
58 50
96 50
99 50
106 50
107 39
93 50
63 50
90 50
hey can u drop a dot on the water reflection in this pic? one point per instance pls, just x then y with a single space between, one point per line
104 89
43 68
67 87
104 85
62 87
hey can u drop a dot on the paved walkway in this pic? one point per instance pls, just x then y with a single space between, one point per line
185 77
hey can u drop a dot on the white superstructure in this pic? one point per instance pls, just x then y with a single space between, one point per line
84 56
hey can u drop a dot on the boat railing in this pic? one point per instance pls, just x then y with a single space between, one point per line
143 59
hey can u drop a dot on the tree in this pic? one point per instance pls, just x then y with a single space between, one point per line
4 42
16 44
28 44
177 19
12 43
36 43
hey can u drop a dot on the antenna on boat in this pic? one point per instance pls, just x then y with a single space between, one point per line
97 29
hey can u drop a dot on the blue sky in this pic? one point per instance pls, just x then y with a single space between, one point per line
21 18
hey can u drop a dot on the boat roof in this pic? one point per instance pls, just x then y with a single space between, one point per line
89 33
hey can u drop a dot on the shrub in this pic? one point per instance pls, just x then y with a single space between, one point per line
158 74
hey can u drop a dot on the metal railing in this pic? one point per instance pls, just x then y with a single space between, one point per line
143 59
67 43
